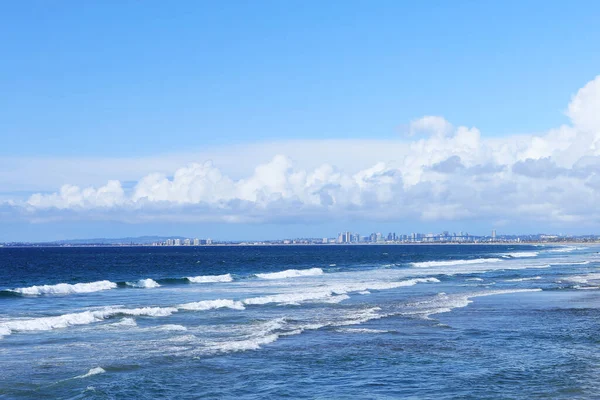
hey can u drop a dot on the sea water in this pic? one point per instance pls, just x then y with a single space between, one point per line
256 322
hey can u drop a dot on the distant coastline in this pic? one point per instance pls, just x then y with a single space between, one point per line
279 244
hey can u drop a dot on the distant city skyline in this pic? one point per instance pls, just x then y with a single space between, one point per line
344 237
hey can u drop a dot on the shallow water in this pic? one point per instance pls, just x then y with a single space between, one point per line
470 321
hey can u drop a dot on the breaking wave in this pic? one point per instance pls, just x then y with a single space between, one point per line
443 303
91 372
291 273
212 304
210 278
81 318
144 283
534 278
428 264
521 254
65 288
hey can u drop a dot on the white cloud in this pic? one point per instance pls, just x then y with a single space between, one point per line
453 173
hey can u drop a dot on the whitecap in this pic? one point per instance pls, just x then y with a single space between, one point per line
443 303
170 327
289 298
66 288
81 318
125 322
210 278
291 273
360 330
212 304
428 264
522 254
91 372
144 283
533 278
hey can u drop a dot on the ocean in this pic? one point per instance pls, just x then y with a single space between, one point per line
301 322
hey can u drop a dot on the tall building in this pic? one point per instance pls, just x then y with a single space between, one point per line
187 242
196 242
493 235
347 237
177 242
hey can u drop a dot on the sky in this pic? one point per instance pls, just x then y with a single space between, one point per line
267 119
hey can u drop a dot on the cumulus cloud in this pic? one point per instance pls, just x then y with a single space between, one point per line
445 173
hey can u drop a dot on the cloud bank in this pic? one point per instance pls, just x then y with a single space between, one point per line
439 172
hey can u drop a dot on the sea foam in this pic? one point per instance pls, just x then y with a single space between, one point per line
428 264
443 303
533 278
91 372
290 298
144 283
66 288
291 273
522 254
81 318
210 278
212 304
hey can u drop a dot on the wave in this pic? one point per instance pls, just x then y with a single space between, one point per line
65 288
583 278
358 287
91 372
521 254
170 327
333 293
360 330
144 283
125 322
428 264
443 303
566 249
90 287
475 279
263 333
291 273
571 263
212 304
328 294
81 318
210 278
534 278
290 298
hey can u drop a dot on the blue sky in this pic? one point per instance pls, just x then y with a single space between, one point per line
168 84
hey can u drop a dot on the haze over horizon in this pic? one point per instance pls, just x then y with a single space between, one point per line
242 121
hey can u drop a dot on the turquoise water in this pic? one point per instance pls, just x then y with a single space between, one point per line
381 322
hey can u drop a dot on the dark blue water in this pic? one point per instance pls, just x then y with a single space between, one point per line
468 321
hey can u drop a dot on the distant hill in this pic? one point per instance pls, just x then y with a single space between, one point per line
125 240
